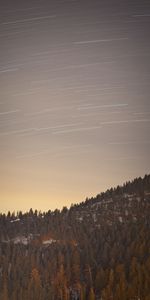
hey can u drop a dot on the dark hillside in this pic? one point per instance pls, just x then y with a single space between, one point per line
99 249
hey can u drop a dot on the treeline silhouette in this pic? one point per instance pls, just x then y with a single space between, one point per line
98 249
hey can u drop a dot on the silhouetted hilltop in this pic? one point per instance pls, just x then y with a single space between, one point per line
98 249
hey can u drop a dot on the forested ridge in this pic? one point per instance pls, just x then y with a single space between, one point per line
98 249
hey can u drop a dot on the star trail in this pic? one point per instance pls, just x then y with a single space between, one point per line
74 99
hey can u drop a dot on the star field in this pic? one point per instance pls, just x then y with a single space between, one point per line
74 99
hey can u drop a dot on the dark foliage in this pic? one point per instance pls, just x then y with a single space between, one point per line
99 249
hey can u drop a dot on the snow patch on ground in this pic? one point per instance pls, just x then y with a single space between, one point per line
16 220
49 242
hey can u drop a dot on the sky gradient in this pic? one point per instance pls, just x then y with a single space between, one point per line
74 99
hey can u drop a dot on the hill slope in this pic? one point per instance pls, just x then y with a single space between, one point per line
99 249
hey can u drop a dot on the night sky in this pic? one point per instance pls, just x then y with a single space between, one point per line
74 99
